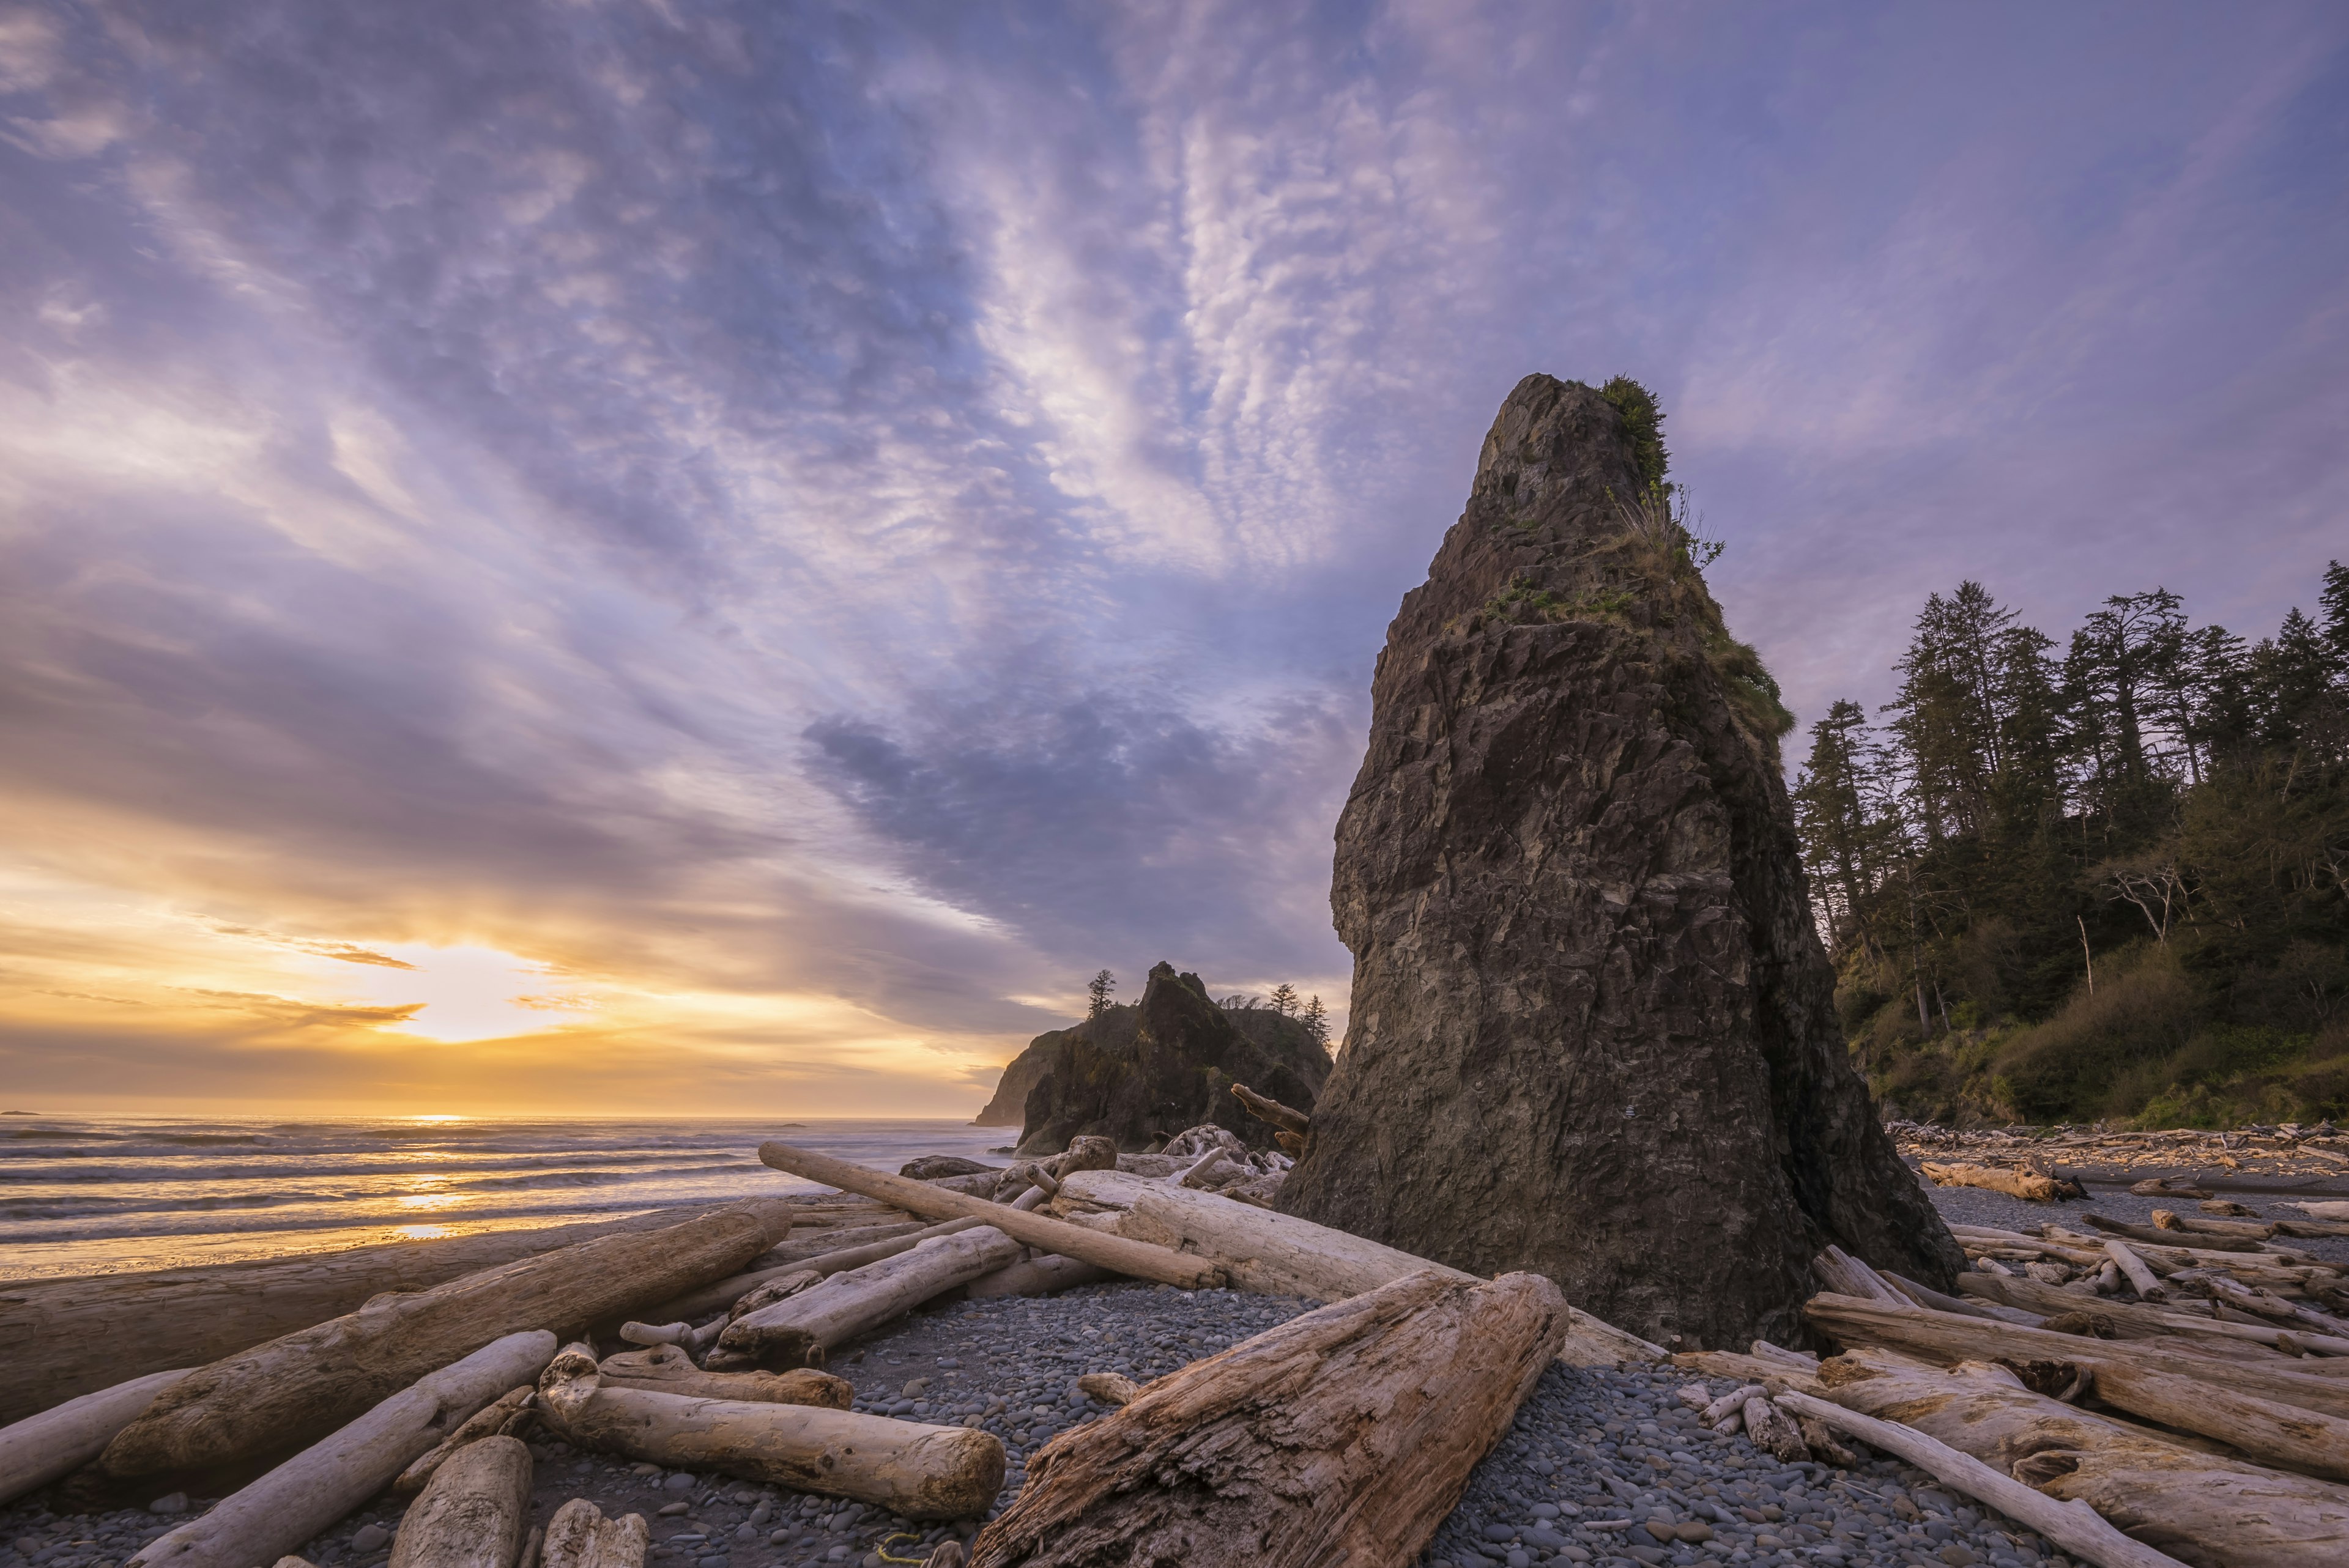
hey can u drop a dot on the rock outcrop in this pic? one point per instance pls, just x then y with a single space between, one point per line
1592 1027
1009 1105
1151 1069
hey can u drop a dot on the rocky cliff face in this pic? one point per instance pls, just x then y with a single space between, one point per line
1592 1028
1008 1107
1152 1070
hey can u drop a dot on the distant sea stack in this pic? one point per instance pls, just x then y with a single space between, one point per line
1592 1028
1154 1069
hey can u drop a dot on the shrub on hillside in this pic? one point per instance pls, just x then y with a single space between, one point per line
2068 1068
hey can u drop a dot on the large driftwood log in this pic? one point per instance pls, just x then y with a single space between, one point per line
1036 1276
2152 1237
36 1450
2283 1436
1946 1338
670 1370
799 1330
2028 1184
472 1512
1129 1258
2198 1506
301 1384
66 1338
920 1472
319 1485
579 1536
488 1421
1343 1435
1280 1254
2133 1320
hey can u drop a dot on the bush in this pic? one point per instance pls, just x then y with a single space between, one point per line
2076 1065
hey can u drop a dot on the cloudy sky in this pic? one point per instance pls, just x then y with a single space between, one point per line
642 554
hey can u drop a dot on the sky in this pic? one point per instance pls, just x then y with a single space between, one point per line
634 556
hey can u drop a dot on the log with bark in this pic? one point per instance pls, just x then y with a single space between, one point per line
40 1448
2203 1506
920 1472
292 1389
579 1536
670 1370
472 1512
488 1421
1119 1256
1343 1435
799 1330
276 1513
67 1338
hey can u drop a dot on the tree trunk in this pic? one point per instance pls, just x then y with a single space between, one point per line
1129 1258
72 1336
670 1370
2197 1506
471 1513
1344 1436
36 1450
920 1472
301 1384
579 1536
1591 1017
799 1330
316 1487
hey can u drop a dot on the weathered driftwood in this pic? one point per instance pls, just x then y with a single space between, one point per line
302 1385
920 1472
2159 1238
1343 1435
1035 1276
579 1536
2137 1321
1285 1117
2141 1278
1945 1338
1847 1275
472 1512
2075 1526
799 1330
1769 1428
1734 1364
72 1336
2283 1436
1109 1388
2200 1506
1119 1256
671 1371
486 1422
319 1485
1202 1171
2192 1225
37 1450
1280 1254
2028 1184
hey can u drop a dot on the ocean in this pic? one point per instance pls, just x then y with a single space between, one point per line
92 1195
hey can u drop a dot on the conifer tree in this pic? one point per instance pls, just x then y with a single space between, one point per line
1316 1021
1284 998
1103 985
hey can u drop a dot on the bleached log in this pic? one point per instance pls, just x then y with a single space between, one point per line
2283 1436
302 1385
1925 1295
1035 1276
1747 1369
40 1448
1109 1388
472 1512
486 1422
73 1336
1266 1110
324 1481
917 1471
671 1371
799 1330
2075 1526
2134 1321
2026 1184
579 1536
1280 1254
1343 1435
1118 1255
2141 1278
2192 1225
2199 1506
1770 1430
1734 1401
1202 1169
2150 1235
1847 1275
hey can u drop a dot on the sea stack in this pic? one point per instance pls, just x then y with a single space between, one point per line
1593 1029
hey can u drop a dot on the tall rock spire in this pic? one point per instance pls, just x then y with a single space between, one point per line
1593 1030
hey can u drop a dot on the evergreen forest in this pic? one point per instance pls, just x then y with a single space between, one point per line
2101 880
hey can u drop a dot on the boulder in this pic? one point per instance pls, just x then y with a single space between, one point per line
1143 1072
1592 1030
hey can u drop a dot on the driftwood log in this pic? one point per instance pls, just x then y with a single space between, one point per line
2027 1184
1036 1276
2134 1320
2198 1506
800 1329
471 1513
1280 1254
1129 1258
302 1385
668 1369
488 1421
317 1486
72 1336
579 1536
1343 1435
38 1449
920 1472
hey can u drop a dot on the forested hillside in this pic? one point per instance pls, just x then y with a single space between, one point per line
2101 879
